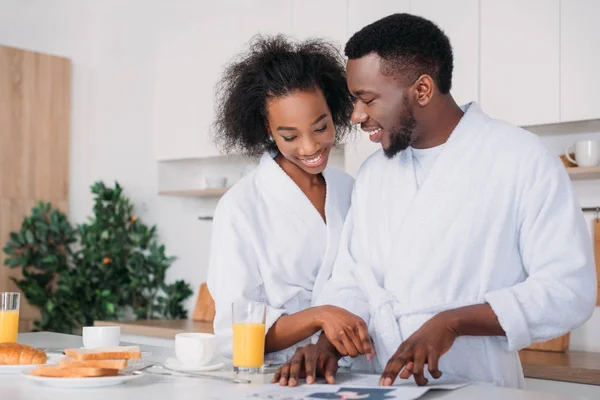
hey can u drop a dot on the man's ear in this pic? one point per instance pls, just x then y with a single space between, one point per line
423 89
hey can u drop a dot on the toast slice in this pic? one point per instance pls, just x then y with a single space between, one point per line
55 371
110 364
105 353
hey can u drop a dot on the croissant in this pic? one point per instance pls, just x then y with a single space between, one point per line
20 354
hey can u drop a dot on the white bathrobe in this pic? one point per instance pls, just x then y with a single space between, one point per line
269 243
495 221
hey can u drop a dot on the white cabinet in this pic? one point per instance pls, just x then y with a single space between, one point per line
459 19
321 19
579 60
360 14
189 62
363 12
520 60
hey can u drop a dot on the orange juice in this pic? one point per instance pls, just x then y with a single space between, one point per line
248 344
9 326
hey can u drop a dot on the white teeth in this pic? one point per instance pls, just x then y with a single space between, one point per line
375 132
315 160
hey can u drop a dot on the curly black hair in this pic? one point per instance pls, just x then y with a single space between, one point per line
409 45
274 67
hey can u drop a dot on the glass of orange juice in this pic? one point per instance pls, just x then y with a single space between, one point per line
9 316
248 336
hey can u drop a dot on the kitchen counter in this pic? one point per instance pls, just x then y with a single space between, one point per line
158 327
572 366
150 387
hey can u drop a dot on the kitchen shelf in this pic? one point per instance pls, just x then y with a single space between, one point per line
195 192
580 173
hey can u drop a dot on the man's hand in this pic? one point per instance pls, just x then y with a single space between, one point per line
347 332
308 362
435 338
425 346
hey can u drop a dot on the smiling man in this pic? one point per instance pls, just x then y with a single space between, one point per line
464 242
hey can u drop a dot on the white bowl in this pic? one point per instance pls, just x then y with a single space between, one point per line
216 182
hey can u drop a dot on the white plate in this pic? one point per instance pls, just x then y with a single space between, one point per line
81 382
175 365
15 369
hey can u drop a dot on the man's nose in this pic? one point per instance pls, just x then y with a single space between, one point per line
359 114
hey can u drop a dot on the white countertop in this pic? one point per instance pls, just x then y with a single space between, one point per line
16 387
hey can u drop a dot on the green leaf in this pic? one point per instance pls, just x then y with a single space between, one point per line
15 237
11 262
110 307
29 236
50 259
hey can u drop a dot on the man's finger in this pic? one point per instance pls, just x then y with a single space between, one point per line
321 359
432 364
393 367
331 367
276 376
407 372
419 362
296 364
420 379
418 368
310 366
285 374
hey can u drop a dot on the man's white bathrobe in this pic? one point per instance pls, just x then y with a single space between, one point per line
495 221
269 243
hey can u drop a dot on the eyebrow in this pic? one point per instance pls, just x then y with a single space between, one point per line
361 92
291 128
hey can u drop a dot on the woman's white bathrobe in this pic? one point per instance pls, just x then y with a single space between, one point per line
269 243
495 221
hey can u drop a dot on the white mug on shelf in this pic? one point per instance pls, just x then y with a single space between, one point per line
587 153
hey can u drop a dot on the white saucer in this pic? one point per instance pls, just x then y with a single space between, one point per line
175 365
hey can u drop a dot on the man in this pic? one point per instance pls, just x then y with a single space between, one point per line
464 242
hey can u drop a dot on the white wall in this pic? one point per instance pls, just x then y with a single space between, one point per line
112 46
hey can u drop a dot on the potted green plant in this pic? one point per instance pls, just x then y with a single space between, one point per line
95 271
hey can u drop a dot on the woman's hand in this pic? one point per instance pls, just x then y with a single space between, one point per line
347 332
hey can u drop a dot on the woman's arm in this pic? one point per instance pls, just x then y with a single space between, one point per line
347 332
291 329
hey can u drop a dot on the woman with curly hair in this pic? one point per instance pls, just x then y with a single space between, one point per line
276 232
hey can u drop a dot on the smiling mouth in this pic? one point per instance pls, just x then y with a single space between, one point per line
375 134
314 161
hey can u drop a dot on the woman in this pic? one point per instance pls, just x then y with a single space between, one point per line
276 232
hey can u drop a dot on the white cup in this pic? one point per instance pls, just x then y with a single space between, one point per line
195 349
587 153
101 336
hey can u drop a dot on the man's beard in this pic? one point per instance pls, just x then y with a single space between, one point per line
401 138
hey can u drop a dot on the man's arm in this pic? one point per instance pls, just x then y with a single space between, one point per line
435 338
